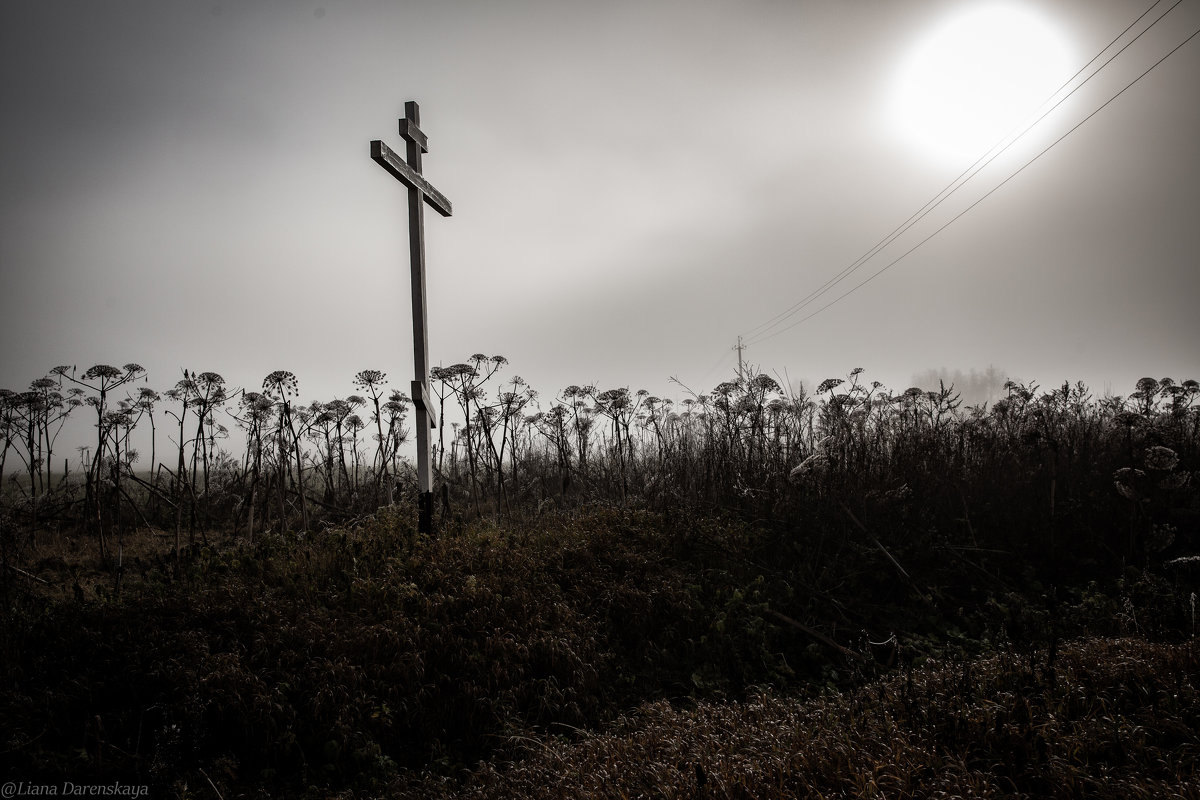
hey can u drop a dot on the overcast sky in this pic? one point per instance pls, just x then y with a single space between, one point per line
635 185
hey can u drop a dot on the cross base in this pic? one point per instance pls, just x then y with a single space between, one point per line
425 512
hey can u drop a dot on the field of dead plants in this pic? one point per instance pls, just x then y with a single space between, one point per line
751 592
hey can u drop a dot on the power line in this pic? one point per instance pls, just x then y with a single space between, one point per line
760 332
719 363
984 197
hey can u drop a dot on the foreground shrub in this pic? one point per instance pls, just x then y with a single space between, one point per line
357 659
1103 719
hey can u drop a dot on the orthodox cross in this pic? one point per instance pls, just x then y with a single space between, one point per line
420 191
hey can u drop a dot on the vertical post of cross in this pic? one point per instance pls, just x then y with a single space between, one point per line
416 145
420 192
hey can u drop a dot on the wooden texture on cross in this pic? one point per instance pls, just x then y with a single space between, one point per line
387 158
420 192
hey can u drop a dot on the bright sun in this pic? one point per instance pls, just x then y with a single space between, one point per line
974 77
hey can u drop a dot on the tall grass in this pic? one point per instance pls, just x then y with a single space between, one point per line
1056 478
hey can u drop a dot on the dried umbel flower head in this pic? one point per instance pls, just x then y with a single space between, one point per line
185 389
614 398
1161 458
1129 482
1128 418
33 401
281 384
257 403
370 378
1185 562
209 380
764 384
816 465
1174 480
102 371
454 371
338 409
829 384
1146 386
1160 537
211 388
397 401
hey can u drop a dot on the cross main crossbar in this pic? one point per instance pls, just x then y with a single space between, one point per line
387 158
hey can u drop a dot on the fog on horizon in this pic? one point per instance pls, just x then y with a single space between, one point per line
635 186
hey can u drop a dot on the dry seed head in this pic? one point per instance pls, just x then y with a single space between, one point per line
1127 481
281 382
458 370
1175 480
1146 386
1129 418
1161 458
765 383
210 380
103 371
368 378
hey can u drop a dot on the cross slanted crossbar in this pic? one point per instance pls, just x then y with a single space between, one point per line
420 192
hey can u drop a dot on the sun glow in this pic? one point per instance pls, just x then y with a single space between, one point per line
974 77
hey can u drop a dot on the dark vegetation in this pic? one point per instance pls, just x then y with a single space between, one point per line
750 593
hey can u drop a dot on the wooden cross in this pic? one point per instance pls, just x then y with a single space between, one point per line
420 191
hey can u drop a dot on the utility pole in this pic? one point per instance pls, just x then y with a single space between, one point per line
739 347
420 191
